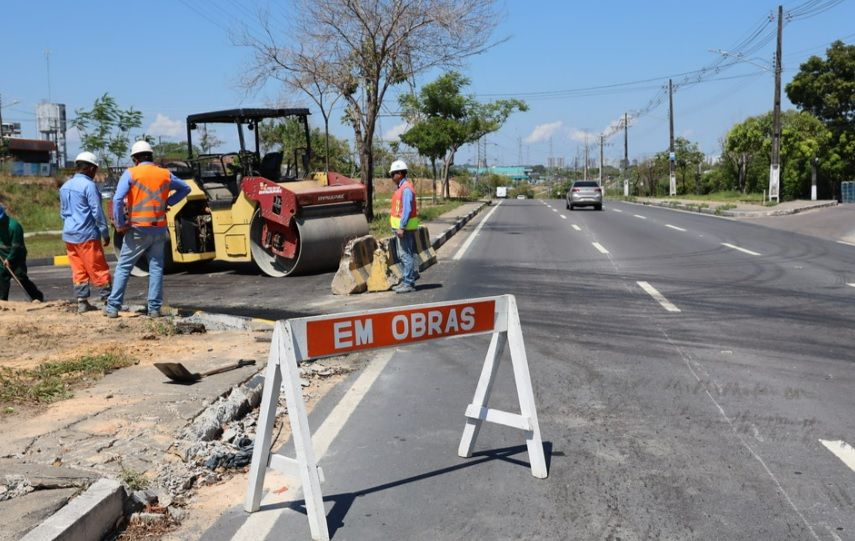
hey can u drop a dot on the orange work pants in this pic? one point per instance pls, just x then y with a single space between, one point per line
88 264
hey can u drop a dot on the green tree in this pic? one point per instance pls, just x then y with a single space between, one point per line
105 129
826 88
443 119
171 150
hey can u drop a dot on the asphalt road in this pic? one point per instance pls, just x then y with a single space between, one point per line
687 370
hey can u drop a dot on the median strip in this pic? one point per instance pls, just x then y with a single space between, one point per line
599 247
658 297
749 252
675 227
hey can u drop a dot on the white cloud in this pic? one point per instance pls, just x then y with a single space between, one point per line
163 125
543 132
395 132
580 136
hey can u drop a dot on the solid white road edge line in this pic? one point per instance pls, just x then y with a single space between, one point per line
841 450
749 252
658 297
674 227
576 227
599 247
260 524
474 234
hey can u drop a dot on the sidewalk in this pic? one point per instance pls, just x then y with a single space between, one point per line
133 426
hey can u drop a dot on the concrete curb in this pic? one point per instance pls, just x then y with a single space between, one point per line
732 213
443 237
88 516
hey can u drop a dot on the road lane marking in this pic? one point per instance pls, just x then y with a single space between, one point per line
841 450
599 247
846 243
851 284
749 252
674 227
563 217
576 227
260 524
658 297
474 234
554 210
640 216
617 210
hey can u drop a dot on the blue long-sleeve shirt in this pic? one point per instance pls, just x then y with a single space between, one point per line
180 191
80 208
407 200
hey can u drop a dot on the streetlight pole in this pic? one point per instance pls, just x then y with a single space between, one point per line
775 168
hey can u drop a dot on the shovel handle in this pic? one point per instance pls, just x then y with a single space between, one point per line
233 366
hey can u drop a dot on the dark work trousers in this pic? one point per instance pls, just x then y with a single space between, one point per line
20 271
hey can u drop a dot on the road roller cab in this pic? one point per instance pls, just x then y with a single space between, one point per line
268 209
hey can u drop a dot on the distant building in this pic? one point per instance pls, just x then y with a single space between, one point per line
516 173
29 157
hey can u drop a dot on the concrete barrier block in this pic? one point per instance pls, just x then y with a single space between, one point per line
355 266
381 278
425 253
89 516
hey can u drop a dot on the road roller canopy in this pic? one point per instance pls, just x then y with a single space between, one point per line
231 116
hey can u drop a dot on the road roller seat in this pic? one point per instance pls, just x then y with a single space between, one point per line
270 167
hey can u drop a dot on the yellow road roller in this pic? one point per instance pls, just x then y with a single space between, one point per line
270 210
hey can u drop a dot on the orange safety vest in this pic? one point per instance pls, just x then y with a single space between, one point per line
398 206
146 202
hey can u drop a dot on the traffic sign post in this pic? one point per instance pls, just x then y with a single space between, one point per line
304 339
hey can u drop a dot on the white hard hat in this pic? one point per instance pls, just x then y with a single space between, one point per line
397 165
87 157
140 147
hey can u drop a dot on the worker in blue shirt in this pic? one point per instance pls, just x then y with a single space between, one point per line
139 211
404 219
85 232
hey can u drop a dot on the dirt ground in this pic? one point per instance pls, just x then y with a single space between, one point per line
131 419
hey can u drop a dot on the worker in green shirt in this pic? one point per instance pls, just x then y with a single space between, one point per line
13 258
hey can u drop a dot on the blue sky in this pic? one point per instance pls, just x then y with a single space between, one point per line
169 59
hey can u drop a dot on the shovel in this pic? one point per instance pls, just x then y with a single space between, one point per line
177 371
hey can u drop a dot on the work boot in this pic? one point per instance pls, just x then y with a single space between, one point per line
110 313
405 288
155 313
83 306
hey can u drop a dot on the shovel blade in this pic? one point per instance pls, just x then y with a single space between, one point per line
177 372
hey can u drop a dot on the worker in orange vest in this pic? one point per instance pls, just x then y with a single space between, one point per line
143 192
404 219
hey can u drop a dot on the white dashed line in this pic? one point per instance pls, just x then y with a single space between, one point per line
617 210
576 227
599 247
658 297
674 227
563 217
841 450
640 216
474 234
846 243
749 252
554 210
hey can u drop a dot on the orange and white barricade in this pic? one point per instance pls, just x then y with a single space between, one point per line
302 339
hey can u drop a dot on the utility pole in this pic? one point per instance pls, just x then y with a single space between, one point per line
602 140
775 168
625 156
672 157
586 155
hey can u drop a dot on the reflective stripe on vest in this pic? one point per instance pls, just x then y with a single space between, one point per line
398 207
147 197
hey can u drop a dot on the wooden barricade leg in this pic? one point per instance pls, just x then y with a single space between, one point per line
302 436
525 393
482 393
266 416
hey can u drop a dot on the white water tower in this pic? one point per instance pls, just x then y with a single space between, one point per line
51 124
